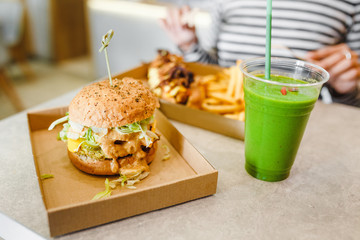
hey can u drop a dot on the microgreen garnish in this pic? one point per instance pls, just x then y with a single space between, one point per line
105 43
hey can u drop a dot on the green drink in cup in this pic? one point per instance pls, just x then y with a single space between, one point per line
276 113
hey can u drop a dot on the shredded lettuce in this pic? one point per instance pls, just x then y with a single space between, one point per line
46 176
140 126
143 134
136 126
121 180
89 138
63 133
104 194
124 181
166 153
76 126
78 148
89 141
58 121
132 182
129 128
129 182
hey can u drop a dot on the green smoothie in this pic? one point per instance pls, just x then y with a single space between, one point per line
276 117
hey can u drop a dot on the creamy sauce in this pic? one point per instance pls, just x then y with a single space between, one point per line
114 166
133 166
131 145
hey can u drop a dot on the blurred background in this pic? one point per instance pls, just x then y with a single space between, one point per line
50 47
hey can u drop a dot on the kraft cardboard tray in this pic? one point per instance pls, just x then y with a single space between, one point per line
68 195
206 120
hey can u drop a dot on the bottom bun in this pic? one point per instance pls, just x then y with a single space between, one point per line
103 167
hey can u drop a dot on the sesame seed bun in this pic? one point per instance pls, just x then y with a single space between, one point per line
104 106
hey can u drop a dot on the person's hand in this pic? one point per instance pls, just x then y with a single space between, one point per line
183 35
342 64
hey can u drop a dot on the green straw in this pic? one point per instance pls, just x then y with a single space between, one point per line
268 39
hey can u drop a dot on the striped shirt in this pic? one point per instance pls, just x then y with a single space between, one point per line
238 29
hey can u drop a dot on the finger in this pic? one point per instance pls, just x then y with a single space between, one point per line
176 18
354 73
171 19
344 85
350 75
347 81
186 8
341 67
326 51
184 15
331 60
164 24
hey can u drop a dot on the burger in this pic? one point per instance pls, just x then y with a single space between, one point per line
110 129
169 79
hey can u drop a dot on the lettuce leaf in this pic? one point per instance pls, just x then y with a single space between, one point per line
58 121
104 194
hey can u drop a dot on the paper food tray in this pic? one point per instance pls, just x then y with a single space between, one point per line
68 195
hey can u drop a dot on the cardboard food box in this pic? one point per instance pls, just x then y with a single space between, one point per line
199 118
185 176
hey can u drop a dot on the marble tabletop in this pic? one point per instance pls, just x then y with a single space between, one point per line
320 199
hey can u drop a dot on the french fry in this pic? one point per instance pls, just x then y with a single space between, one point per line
239 82
215 86
221 109
242 116
224 74
211 101
207 79
242 96
222 97
234 116
232 82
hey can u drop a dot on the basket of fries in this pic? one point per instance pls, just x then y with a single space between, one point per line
222 108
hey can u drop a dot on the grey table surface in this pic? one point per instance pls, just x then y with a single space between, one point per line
320 199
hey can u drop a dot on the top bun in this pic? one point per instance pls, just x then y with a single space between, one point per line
104 106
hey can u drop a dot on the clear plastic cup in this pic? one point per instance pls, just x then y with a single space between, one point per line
276 113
